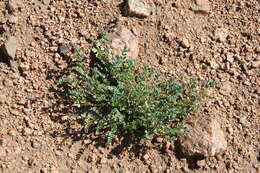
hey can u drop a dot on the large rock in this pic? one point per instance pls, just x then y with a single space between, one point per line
206 139
10 46
122 38
137 8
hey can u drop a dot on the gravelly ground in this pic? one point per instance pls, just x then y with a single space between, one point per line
31 138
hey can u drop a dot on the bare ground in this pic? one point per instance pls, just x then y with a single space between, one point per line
34 133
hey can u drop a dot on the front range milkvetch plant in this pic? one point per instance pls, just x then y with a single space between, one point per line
112 97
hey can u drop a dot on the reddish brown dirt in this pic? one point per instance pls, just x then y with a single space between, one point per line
32 140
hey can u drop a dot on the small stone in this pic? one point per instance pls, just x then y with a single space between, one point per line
12 5
32 162
207 138
146 157
24 67
159 139
53 49
35 144
12 132
44 170
255 64
123 38
202 6
63 49
2 28
103 160
214 65
46 2
2 152
201 163
243 120
137 8
58 153
258 20
185 43
10 46
221 34
226 88
230 130
257 49
27 131
13 19
2 99
230 57
64 118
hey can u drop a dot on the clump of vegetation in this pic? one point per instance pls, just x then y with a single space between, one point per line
116 99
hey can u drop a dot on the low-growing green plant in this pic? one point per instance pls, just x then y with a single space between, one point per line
116 99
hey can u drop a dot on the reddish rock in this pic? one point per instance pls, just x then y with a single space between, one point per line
123 38
206 139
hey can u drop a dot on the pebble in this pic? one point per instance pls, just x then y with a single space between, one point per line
214 65
27 131
46 2
24 67
243 120
255 64
58 153
2 152
221 34
257 49
103 160
2 99
137 8
10 46
202 6
12 132
63 49
230 130
185 43
53 49
2 28
13 19
8 82
201 163
44 170
226 88
159 139
12 6
146 157
35 144
230 57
